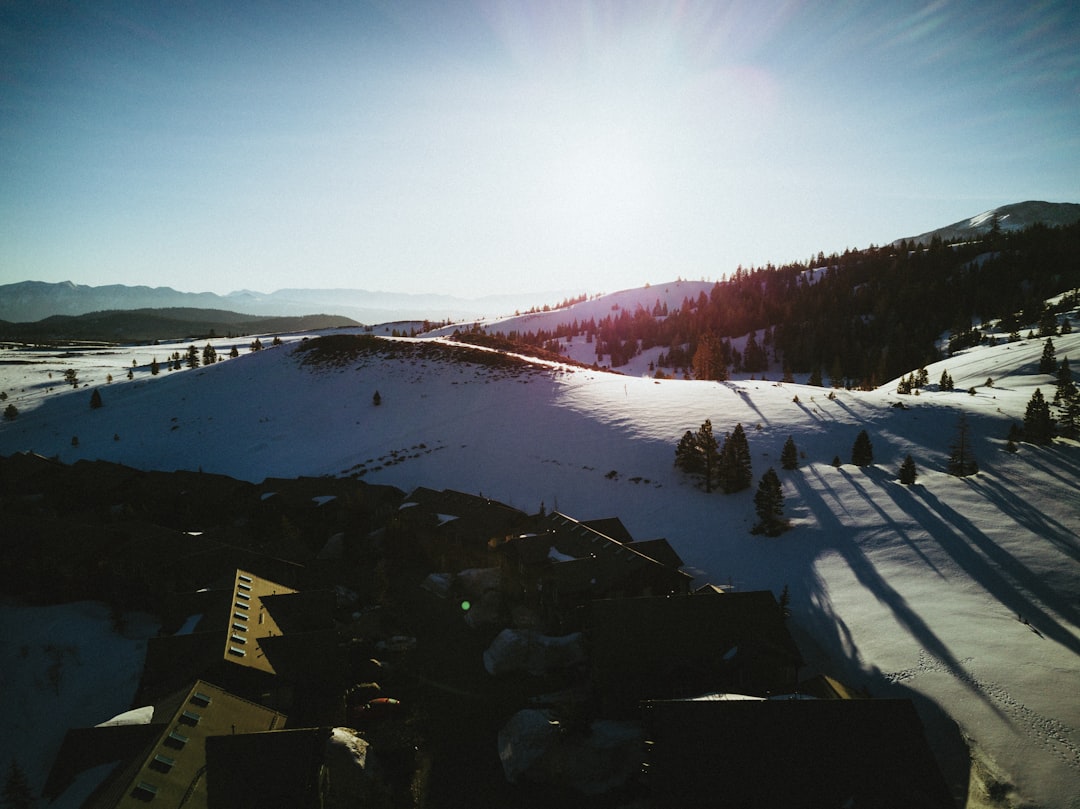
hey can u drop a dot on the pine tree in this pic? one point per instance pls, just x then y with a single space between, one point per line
907 473
192 357
209 355
154 368
1064 383
1038 426
11 412
696 454
769 504
376 399
17 793
234 351
1068 415
735 468
707 449
1047 363
1048 324
961 458
946 382
686 455
785 602
95 399
789 455
862 451
815 377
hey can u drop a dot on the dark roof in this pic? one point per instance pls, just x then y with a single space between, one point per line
84 748
581 541
658 549
628 629
792 753
173 662
610 527
688 642
271 770
475 513
304 656
301 612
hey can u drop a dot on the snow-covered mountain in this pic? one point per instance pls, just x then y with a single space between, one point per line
1017 216
960 593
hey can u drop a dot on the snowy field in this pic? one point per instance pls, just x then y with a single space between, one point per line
961 593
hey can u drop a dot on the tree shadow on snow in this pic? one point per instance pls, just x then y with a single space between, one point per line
825 628
1004 576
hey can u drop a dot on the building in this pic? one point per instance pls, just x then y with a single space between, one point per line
685 645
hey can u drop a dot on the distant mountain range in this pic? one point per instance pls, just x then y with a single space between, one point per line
149 325
31 301
34 300
1017 216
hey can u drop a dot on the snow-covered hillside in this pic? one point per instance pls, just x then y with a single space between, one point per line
960 593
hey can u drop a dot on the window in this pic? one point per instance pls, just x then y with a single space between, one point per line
238 638
242 577
162 763
241 615
199 698
243 596
240 627
190 718
176 739
145 791
243 586
238 652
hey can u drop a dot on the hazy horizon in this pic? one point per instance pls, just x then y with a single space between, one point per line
491 148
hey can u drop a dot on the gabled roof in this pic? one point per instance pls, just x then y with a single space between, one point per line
586 560
797 753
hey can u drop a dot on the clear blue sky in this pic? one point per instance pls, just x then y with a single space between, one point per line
473 147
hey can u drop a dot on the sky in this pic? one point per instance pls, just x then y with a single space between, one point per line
488 147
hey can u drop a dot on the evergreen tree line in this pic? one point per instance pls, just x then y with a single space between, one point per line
860 318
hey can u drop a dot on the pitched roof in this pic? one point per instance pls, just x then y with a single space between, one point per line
796 753
591 556
658 549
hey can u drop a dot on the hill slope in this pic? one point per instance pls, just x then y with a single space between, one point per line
960 593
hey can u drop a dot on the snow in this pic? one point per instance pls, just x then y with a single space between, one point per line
958 593
65 666
136 716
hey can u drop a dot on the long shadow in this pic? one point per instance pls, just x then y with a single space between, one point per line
948 522
747 399
1067 475
1028 516
827 634
890 523
868 575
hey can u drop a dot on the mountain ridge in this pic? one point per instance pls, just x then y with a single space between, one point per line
1015 216
29 301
